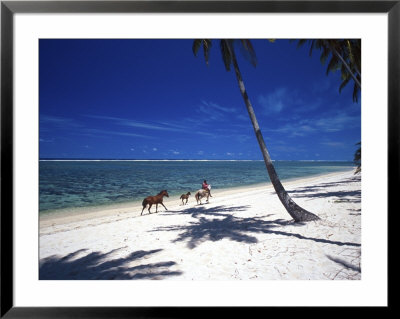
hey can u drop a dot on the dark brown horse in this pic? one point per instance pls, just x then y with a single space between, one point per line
158 199
185 196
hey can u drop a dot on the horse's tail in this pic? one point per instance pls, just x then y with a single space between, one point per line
144 203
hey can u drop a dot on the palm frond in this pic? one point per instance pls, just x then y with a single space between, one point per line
344 83
206 49
226 56
350 51
333 65
248 51
324 56
300 42
206 43
356 92
196 46
312 46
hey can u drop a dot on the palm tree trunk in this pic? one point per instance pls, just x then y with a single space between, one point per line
296 212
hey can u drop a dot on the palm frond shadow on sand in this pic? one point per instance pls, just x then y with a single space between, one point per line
98 265
216 223
319 191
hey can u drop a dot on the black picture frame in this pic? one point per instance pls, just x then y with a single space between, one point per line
9 8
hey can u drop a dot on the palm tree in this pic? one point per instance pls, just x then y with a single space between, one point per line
345 56
298 213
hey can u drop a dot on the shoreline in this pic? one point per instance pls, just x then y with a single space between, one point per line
134 208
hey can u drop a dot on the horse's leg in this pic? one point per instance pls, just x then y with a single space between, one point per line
144 204
156 207
164 206
149 208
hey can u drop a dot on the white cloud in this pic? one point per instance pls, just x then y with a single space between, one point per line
59 122
96 132
214 111
161 126
284 98
242 117
241 138
157 126
214 106
328 124
274 102
337 122
333 144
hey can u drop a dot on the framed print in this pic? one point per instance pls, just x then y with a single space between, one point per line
132 179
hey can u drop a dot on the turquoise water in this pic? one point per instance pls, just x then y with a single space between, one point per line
72 184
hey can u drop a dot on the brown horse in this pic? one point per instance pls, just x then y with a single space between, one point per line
158 199
200 194
185 196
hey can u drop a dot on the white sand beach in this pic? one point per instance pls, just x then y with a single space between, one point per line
241 234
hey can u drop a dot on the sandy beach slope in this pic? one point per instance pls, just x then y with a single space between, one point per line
241 234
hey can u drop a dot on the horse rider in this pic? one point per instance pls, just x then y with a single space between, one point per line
207 187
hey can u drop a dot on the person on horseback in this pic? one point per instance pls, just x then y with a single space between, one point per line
207 187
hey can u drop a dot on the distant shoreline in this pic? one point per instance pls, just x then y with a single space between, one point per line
96 211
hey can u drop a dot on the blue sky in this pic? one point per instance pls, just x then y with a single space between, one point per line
153 99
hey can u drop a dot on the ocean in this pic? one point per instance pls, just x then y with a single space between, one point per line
87 184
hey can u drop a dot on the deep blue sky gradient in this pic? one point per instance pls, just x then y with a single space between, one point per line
153 99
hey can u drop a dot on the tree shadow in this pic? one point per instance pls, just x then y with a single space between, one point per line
357 212
225 226
344 263
344 182
317 191
343 196
218 211
98 266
